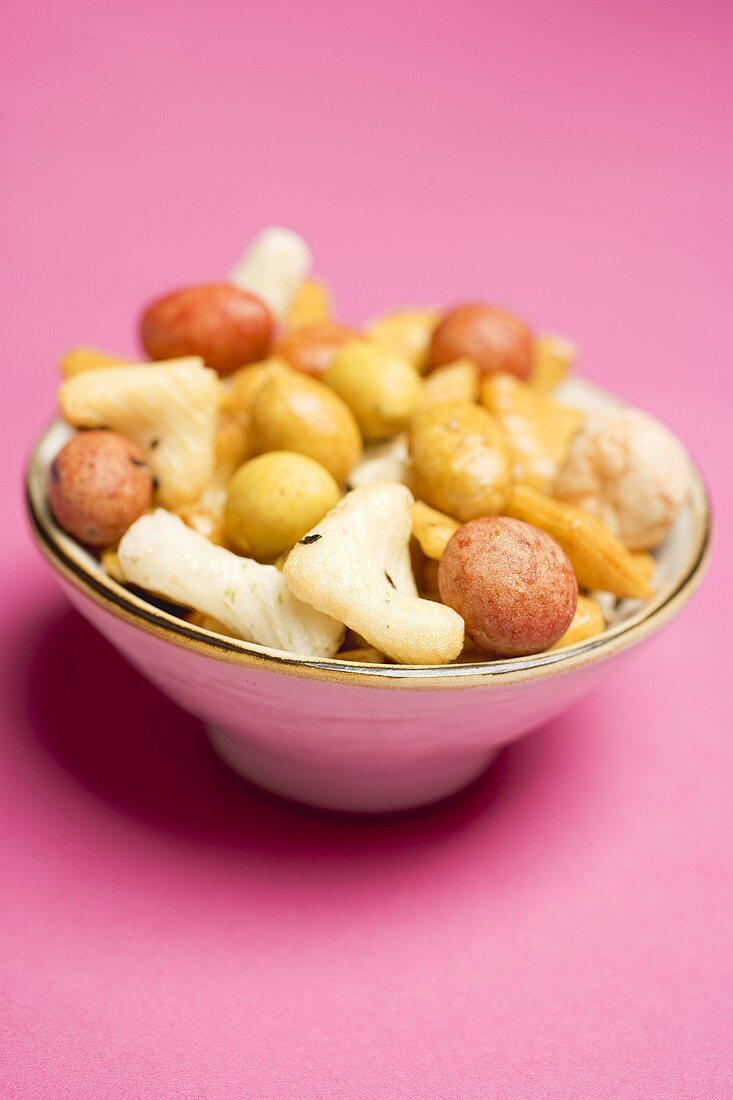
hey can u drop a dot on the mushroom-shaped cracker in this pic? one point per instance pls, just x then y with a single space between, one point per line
161 554
355 566
169 410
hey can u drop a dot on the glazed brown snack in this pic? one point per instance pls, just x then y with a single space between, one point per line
511 583
292 412
311 349
226 326
99 484
495 339
460 460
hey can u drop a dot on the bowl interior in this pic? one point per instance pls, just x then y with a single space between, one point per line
679 564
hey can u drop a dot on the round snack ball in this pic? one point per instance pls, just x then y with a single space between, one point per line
99 484
311 349
292 412
511 583
460 460
274 500
226 326
495 339
382 389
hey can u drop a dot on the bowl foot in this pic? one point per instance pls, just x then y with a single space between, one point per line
347 785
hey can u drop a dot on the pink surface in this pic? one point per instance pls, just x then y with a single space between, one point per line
562 930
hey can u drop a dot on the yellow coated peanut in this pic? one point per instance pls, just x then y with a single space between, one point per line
381 389
460 460
293 412
274 500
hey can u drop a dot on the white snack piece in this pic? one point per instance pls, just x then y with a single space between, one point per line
169 410
628 470
161 554
273 267
608 604
388 461
355 566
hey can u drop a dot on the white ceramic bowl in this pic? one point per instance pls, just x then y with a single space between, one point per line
345 736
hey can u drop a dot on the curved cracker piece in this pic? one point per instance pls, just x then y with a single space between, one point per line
406 332
432 529
355 566
538 430
161 554
168 409
587 621
458 381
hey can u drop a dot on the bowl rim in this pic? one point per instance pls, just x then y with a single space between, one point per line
58 549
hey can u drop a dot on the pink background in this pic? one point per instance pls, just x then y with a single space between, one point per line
562 930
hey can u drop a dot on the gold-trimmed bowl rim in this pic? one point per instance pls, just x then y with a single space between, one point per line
74 564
